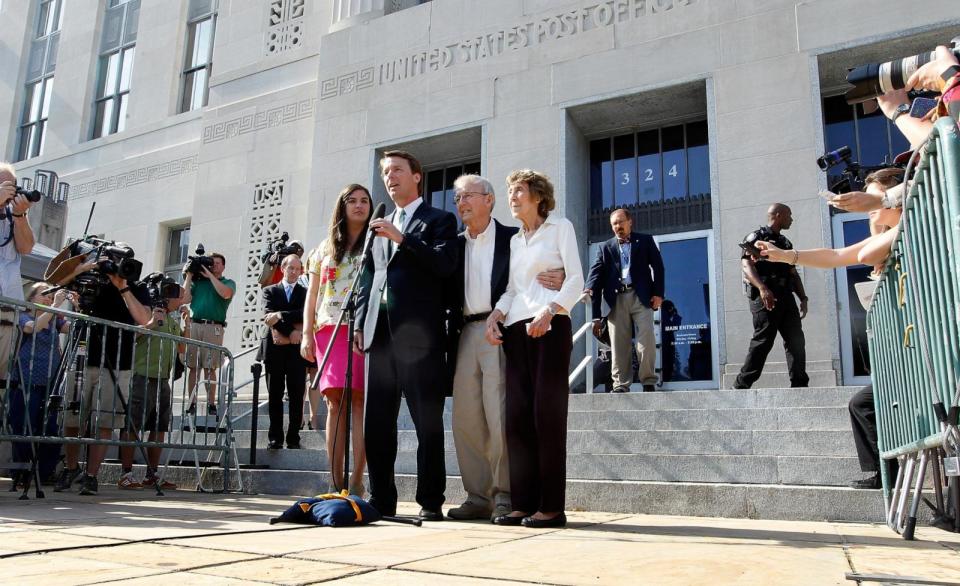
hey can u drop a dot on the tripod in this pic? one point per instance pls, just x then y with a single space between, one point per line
76 357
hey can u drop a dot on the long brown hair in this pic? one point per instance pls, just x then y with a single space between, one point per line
337 237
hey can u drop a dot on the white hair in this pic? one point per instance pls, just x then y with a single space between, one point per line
484 183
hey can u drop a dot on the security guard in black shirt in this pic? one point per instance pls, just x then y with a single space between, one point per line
771 288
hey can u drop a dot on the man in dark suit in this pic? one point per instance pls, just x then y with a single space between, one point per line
401 315
628 275
280 352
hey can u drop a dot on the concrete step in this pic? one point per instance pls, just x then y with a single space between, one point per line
812 365
786 418
662 442
777 380
748 469
754 501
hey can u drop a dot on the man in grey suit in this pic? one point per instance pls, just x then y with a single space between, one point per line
401 312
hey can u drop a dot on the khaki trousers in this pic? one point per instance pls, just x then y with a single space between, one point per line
478 418
627 313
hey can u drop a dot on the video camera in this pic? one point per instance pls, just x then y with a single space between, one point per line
280 249
853 174
197 262
876 79
112 258
161 289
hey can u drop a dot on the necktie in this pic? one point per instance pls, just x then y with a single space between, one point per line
403 221
289 290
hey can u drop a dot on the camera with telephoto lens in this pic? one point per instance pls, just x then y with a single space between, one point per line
280 249
161 289
112 258
853 175
197 262
875 79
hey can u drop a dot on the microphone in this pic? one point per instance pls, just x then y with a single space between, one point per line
378 213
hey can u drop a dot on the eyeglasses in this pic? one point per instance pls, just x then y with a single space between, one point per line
465 195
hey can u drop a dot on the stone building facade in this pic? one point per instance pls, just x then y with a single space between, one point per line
243 118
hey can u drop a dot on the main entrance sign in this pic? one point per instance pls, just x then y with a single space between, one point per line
513 38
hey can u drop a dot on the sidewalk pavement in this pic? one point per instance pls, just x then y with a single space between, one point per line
192 538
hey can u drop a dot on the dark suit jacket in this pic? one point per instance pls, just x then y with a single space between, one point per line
291 314
414 277
498 278
604 277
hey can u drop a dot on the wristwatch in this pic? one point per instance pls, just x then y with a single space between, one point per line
551 310
900 111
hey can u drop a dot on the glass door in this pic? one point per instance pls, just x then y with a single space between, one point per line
848 229
687 336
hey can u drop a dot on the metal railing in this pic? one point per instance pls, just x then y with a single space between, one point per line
914 339
586 332
78 381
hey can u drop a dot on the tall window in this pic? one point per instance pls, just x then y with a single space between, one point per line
439 192
178 248
201 25
662 176
873 140
39 87
117 46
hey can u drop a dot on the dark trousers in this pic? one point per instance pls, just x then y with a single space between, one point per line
25 415
784 319
863 420
398 367
285 369
536 415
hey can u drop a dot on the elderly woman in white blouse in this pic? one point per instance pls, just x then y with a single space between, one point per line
533 324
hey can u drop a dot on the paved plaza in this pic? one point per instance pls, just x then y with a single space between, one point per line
191 538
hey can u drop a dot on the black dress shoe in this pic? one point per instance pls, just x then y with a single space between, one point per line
867 483
428 515
507 520
621 389
274 446
649 388
383 510
558 521
293 446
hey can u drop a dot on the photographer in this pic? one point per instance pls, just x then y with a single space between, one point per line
209 295
16 239
942 75
106 376
150 394
272 273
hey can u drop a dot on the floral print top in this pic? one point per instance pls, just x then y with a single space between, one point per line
335 281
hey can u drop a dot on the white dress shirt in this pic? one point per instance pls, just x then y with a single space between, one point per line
552 246
288 288
478 270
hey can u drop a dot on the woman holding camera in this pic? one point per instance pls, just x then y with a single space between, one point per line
332 268
533 324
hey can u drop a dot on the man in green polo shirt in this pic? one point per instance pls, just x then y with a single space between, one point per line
209 299
150 396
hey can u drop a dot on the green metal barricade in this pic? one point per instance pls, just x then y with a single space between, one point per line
915 339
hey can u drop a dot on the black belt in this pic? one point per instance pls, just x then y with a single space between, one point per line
210 321
476 317
624 288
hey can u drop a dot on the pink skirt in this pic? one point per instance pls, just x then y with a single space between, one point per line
334 374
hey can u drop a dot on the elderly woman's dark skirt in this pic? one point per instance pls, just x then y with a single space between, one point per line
537 393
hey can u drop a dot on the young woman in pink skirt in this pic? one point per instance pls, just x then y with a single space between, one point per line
332 267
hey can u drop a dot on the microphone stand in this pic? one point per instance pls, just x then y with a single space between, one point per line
348 311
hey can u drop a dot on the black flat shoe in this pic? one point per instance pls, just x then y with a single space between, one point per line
507 520
274 446
428 515
558 521
871 483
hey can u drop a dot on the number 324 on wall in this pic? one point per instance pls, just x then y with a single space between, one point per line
647 175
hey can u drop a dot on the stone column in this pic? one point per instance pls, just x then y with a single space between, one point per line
347 13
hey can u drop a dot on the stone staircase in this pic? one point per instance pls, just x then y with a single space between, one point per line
821 373
761 453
